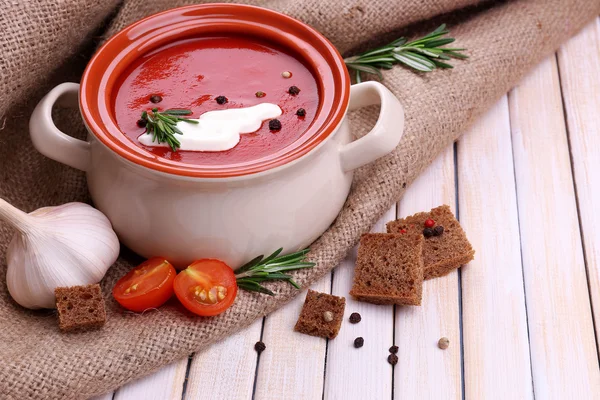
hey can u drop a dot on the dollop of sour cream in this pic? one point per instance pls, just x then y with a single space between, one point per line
219 130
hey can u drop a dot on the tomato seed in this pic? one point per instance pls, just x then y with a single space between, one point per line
212 295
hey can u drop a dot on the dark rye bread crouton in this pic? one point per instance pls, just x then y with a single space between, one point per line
441 254
313 319
389 269
80 307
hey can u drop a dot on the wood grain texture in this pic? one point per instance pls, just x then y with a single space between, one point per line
293 363
166 383
579 65
424 371
362 373
561 362
226 369
495 337
563 348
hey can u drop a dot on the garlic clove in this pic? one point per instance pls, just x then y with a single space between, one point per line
69 245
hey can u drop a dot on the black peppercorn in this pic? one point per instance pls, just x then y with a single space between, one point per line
221 99
394 349
428 232
393 359
141 123
355 318
259 347
260 94
155 98
438 230
301 112
358 342
293 90
274 125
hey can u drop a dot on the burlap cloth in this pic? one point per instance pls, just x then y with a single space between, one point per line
46 42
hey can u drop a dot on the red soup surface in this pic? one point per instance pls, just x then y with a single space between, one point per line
190 74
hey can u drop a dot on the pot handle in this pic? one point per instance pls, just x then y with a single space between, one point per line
48 139
385 135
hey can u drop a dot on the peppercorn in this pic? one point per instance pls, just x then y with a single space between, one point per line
301 112
260 94
274 125
443 343
355 318
260 347
428 232
327 316
141 123
394 349
429 223
221 99
155 98
393 359
286 74
293 90
438 230
358 342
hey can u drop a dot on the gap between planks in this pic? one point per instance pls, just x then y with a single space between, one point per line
580 86
562 344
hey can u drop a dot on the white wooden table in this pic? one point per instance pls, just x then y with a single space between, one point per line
525 183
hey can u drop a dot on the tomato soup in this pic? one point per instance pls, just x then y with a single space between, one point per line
218 73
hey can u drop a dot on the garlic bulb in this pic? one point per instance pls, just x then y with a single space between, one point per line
67 245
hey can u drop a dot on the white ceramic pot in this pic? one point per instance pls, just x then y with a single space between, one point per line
234 218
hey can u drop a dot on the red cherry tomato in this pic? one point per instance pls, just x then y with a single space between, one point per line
149 285
207 287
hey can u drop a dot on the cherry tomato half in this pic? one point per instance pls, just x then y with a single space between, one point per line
207 287
149 285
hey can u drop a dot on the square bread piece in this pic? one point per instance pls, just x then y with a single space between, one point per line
441 254
80 307
389 269
312 321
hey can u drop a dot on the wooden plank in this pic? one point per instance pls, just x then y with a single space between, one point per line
495 338
563 349
166 383
360 373
226 369
292 365
424 371
579 65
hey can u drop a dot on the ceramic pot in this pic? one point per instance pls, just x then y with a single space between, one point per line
231 212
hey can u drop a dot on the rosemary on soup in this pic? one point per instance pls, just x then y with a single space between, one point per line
424 55
250 275
163 125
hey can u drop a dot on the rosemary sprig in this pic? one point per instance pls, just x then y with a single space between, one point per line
424 54
260 269
163 125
